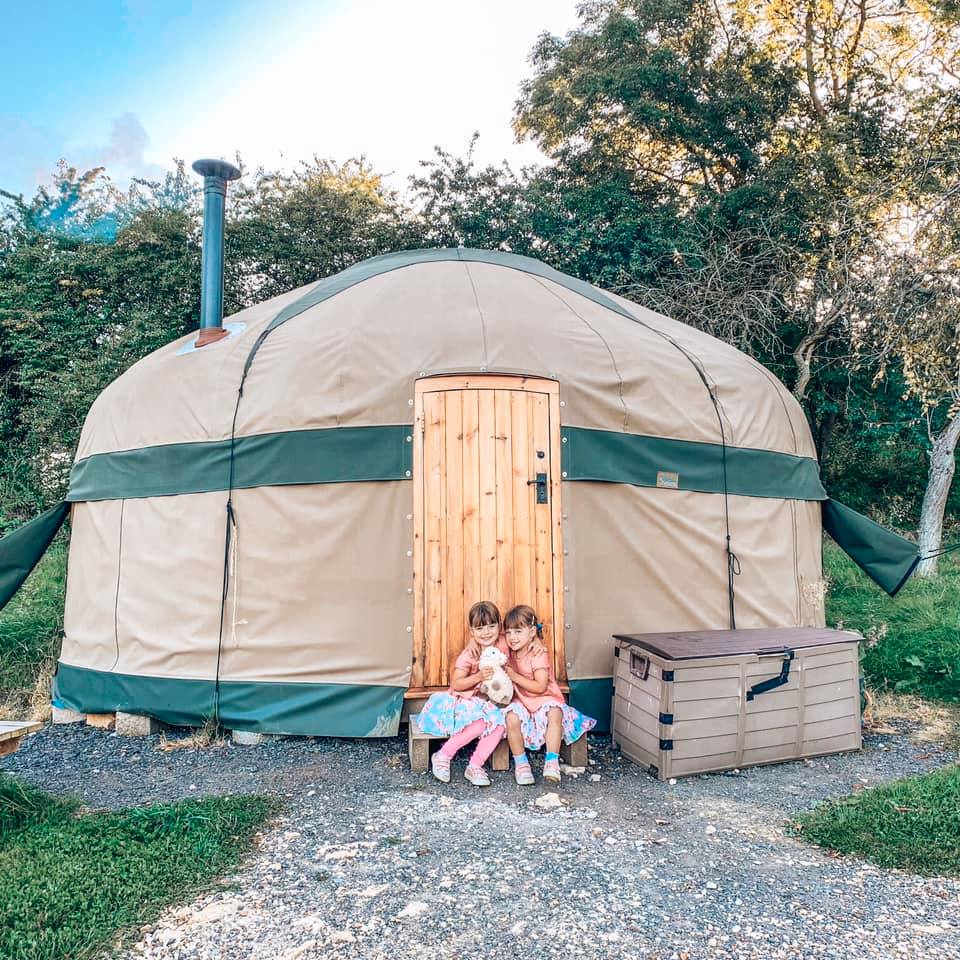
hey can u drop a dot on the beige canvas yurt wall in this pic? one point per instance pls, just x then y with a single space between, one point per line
310 631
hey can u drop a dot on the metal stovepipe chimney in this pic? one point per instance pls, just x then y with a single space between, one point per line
216 175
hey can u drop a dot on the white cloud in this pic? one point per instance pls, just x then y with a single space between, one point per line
123 152
127 142
385 79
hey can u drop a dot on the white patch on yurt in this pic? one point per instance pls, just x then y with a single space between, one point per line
387 725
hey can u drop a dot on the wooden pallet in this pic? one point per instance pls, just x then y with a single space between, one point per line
11 732
418 747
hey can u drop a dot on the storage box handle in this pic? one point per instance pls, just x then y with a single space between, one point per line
773 682
639 665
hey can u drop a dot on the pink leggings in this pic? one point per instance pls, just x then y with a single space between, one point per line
485 746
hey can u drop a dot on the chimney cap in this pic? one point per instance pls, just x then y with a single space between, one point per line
216 168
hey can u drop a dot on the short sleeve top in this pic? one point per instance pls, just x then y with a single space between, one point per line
526 663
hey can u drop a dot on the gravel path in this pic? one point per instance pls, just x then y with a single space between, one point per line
372 861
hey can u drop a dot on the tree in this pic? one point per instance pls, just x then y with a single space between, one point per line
764 122
462 206
91 279
286 230
920 331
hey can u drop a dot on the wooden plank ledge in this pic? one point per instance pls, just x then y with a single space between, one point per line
11 732
421 693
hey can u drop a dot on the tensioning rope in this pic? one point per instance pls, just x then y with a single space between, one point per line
733 561
232 530
940 553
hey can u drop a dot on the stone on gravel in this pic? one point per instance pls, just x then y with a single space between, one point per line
245 738
549 801
66 715
416 908
134 725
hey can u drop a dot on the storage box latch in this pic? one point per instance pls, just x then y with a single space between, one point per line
639 665
773 682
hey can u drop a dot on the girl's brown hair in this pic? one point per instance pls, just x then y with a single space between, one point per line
523 616
482 614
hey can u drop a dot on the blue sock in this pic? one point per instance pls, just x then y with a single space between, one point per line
552 756
520 758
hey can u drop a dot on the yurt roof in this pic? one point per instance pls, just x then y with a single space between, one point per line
344 352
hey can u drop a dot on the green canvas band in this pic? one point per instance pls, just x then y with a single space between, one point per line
642 461
333 455
594 698
306 709
352 454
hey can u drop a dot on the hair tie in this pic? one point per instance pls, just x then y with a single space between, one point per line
539 626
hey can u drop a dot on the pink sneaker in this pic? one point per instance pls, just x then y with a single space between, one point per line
551 771
440 765
477 776
523 774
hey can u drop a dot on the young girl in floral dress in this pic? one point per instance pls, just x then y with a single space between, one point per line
462 713
538 714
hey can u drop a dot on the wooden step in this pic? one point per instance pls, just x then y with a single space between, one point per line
418 748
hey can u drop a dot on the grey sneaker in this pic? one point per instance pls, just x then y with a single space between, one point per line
523 774
477 776
440 766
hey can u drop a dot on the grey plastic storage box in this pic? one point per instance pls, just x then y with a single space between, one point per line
699 701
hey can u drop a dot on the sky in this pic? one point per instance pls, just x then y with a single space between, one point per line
133 84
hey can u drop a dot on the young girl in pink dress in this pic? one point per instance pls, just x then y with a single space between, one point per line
538 714
462 713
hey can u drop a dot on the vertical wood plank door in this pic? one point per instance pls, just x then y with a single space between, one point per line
479 531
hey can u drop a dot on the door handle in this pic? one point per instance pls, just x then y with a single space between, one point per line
541 483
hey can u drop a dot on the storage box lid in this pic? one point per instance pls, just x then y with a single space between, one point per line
695 644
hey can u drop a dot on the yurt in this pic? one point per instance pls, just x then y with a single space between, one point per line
285 526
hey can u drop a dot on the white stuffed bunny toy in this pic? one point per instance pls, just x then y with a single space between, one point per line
499 688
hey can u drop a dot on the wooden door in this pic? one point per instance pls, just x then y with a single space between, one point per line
479 531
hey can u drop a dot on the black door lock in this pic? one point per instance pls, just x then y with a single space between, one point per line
541 483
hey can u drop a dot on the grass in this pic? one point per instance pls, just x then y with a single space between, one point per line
912 824
913 639
211 734
30 629
72 884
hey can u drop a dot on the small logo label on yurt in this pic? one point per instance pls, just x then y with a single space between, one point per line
669 480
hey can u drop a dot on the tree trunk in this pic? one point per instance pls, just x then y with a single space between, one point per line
823 434
803 358
939 478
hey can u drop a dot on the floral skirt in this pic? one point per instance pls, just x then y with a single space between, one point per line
534 725
443 714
